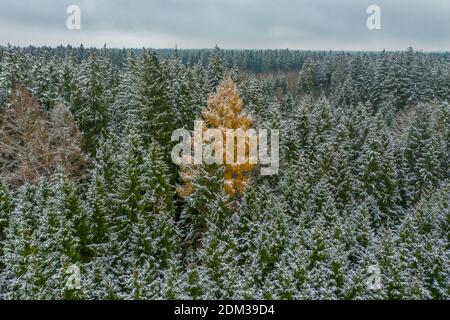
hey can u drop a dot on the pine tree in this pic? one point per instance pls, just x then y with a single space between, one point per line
12 70
90 107
325 269
158 218
67 75
154 110
377 175
75 213
347 96
203 183
45 80
99 282
63 230
5 208
200 186
253 96
23 274
363 185
185 93
307 82
216 69
341 176
127 97
259 237
5 212
361 244
393 269
215 257
141 221
424 248
103 184
288 279
443 127
298 136
423 154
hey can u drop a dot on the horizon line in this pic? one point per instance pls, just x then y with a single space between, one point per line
222 48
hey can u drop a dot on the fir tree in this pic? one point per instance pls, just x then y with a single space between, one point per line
216 69
127 97
91 106
423 155
5 212
154 110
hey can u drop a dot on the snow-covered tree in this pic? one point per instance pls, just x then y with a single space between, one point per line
216 69
154 110
90 103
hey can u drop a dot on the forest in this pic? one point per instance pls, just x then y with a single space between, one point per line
87 180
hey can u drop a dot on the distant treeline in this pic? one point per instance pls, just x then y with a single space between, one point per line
250 60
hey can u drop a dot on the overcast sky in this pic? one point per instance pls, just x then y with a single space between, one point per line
295 24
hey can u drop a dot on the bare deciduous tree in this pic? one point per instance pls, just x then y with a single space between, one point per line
31 146
66 141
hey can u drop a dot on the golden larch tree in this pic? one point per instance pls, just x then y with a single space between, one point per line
224 111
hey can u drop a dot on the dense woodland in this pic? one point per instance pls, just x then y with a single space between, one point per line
87 179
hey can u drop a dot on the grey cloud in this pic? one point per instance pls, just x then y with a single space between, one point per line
308 24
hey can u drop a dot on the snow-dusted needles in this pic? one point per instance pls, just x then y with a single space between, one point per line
227 146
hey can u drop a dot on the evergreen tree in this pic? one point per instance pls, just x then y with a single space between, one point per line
12 69
91 106
45 78
67 76
127 97
423 154
103 183
23 274
5 212
363 185
61 241
216 69
377 175
307 82
423 247
154 110
215 257
141 221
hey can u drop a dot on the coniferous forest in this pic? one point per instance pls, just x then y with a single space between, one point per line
87 181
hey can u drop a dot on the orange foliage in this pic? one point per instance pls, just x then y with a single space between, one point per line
224 111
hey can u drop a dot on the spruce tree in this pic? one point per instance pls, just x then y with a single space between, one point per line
377 175
307 82
23 274
90 106
423 154
127 97
5 212
154 110
216 69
